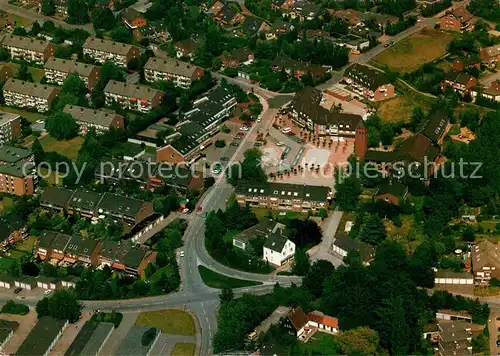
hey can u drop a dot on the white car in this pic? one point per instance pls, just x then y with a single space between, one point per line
280 143
282 213
259 119
47 292
181 254
244 128
185 210
286 130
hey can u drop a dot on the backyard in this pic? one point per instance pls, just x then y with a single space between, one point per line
36 73
411 53
5 203
170 321
219 281
67 148
28 115
395 110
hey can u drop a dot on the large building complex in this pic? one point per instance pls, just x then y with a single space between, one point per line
57 70
10 127
282 196
99 120
132 96
28 49
29 95
104 50
17 176
180 73
201 123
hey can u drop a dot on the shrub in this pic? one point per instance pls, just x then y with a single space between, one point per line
12 307
113 317
148 337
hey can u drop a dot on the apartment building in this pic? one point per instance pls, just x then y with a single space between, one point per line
180 73
104 50
99 120
28 49
57 70
458 19
201 123
282 196
132 96
17 171
29 95
369 82
306 113
10 127
455 338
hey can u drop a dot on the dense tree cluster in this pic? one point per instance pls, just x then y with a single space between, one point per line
62 304
488 9
249 170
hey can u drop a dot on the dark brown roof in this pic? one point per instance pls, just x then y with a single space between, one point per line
416 148
369 77
434 125
298 318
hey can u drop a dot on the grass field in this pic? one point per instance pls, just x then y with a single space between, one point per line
68 148
28 115
36 73
395 110
183 349
6 203
27 245
170 321
318 343
219 281
411 53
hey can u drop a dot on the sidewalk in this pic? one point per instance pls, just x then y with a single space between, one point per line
493 325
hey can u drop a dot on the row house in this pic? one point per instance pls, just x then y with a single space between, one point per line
90 204
306 113
124 256
29 95
180 73
132 96
369 82
201 123
14 229
10 127
99 120
57 70
282 196
490 55
455 338
104 50
299 68
17 171
458 19
460 82
28 49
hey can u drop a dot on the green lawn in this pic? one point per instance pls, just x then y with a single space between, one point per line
170 321
67 148
277 101
318 344
36 73
6 203
26 245
5 263
219 281
28 115
183 349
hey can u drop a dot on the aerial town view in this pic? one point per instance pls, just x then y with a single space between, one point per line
249 177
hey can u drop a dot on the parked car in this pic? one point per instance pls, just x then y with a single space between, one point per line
17 290
234 144
185 210
181 254
280 143
244 128
47 292
224 159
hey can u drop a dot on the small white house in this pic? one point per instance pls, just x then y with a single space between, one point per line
278 249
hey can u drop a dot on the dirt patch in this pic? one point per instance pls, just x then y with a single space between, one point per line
396 110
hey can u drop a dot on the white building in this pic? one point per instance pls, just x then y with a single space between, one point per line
28 49
57 70
29 95
180 73
104 50
278 249
132 96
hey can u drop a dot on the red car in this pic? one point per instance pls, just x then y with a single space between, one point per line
199 208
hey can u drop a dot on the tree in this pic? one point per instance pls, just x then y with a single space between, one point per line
315 278
78 12
24 74
103 18
148 336
61 126
249 170
392 325
35 29
226 296
470 118
220 143
63 305
122 34
48 7
301 263
304 233
360 341
38 151
373 230
216 63
74 85
347 191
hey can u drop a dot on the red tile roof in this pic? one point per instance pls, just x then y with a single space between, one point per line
320 318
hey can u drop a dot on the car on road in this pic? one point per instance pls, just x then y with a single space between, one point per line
217 169
259 119
280 143
286 130
234 144
181 254
244 128
257 144
199 208
386 45
185 210
47 292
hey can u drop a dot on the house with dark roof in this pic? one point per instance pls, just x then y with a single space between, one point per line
391 192
155 31
228 15
352 17
124 256
99 120
297 321
279 28
490 56
343 244
253 26
237 57
262 229
56 198
283 196
305 113
304 10
14 229
278 249
458 82
466 62
458 19
299 68
369 82
200 124
185 48
43 337
122 207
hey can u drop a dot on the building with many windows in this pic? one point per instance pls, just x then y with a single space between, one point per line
104 50
458 19
282 196
99 120
132 96
17 171
29 95
10 127
369 82
180 73
28 49
57 70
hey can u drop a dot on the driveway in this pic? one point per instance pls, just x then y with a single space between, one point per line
493 325
323 250
69 336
